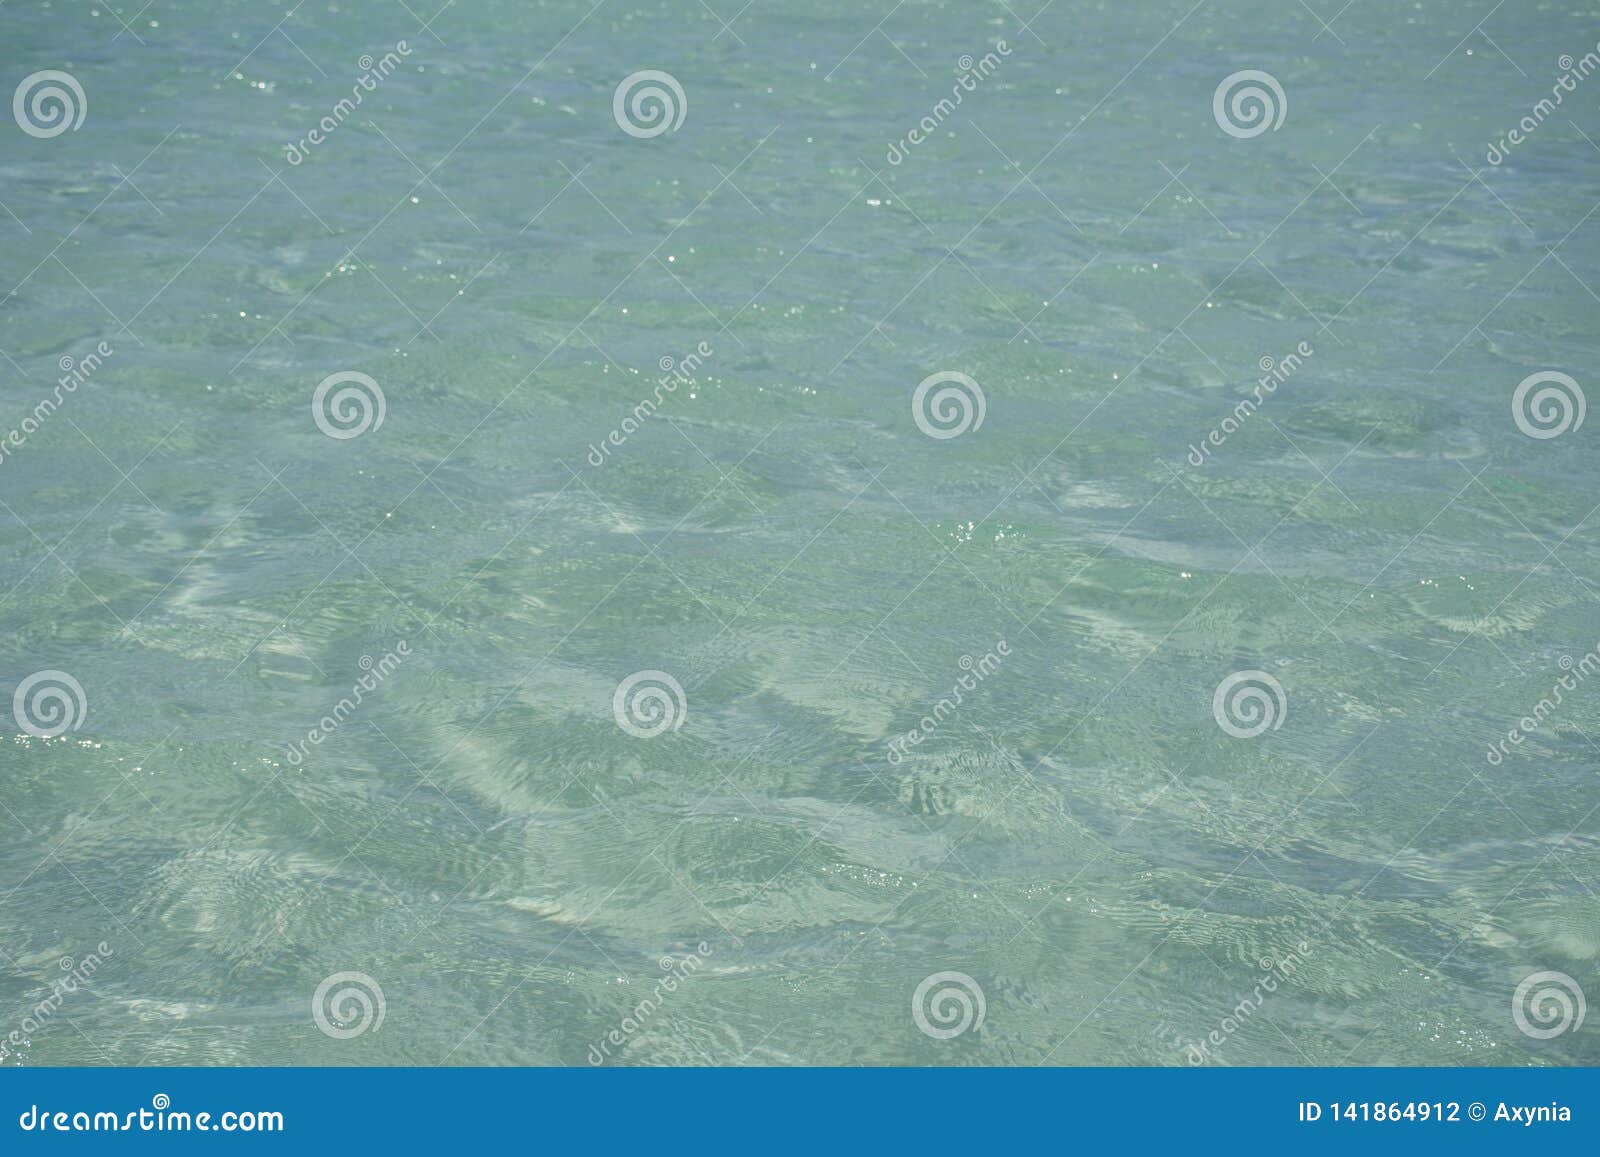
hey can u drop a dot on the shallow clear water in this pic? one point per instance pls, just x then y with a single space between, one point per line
1114 871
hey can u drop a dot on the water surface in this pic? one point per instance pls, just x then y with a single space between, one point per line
1115 872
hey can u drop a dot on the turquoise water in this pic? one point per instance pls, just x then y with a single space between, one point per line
791 842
